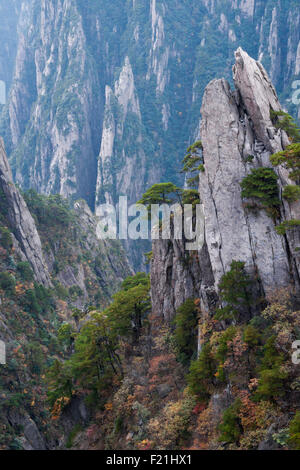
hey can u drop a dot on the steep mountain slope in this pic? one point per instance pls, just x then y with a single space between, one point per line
22 222
51 262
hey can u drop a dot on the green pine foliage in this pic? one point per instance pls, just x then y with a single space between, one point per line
66 335
193 163
272 375
262 185
162 193
291 193
185 334
7 283
251 336
282 228
134 281
6 239
168 193
231 428
234 291
191 196
284 121
225 338
294 432
38 300
49 211
290 159
25 272
148 257
59 382
96 360
201 375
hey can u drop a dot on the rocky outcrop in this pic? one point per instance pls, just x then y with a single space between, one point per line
233 128
32 438
109 264
259 96
178 275
237 136
22 222
122 153
33 244
121 143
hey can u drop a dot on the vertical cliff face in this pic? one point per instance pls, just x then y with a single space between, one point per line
61 258
244 129
237 136
21 222
53 103
122 156
259 97
104 92
9 13
178 275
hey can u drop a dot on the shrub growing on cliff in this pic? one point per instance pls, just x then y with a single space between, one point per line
25 271
262 185
49 211
271 384
185 334
37 300
272 375
66 335
225 338
294 432
290 159
201 376
193 163
96 359
6 238
59 381
162 193
291 193
7 283
281 229
231 428
251 336
234 290
284 121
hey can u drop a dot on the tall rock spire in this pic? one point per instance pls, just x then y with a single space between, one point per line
238 135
